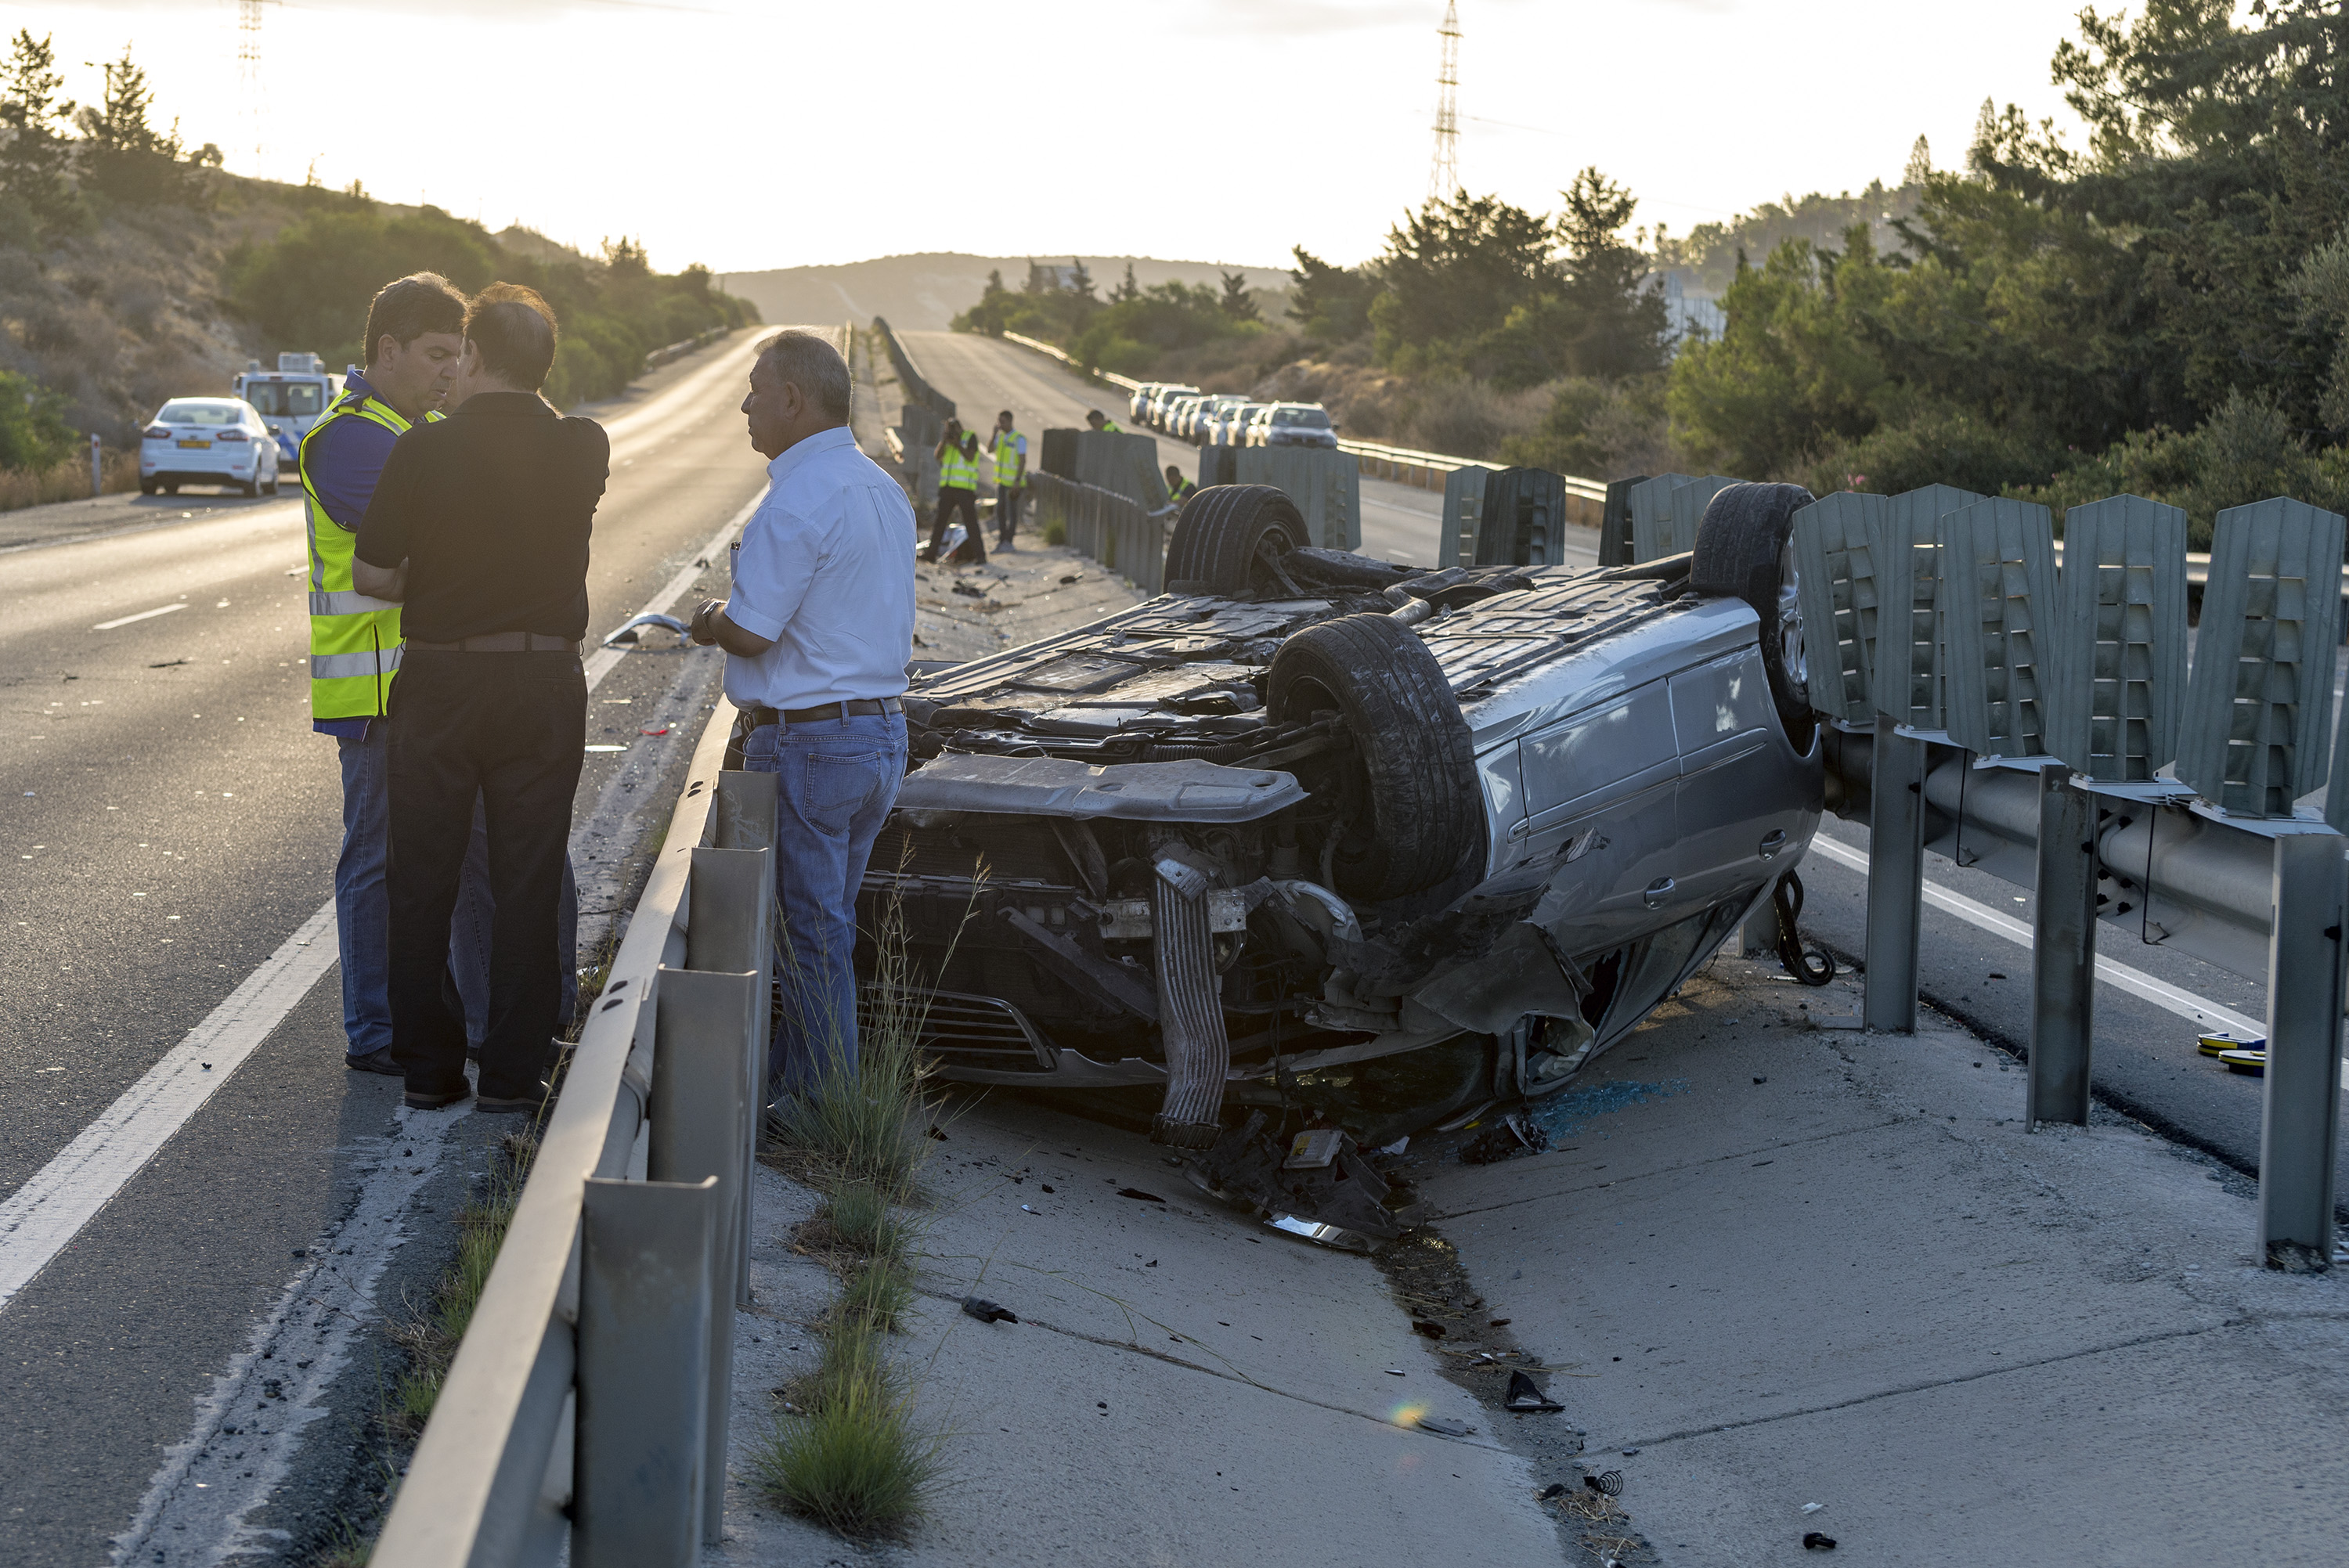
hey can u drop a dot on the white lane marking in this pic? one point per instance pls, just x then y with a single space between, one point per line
49 1209
2135 981
142 615
252 1421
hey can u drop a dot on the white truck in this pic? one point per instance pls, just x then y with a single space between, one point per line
290 398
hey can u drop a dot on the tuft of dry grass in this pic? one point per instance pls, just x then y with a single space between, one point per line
846 1451
67 481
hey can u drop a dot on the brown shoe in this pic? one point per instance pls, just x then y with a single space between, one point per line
437 1100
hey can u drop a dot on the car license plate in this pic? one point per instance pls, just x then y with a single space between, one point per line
197 445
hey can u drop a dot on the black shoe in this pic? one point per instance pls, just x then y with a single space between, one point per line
378 1060
437 1100
530 1104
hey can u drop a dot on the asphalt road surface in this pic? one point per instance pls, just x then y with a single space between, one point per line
983 375
170 829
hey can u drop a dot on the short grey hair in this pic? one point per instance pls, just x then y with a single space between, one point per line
809 361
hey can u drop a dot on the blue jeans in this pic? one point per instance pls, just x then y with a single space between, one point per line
363 906
835 782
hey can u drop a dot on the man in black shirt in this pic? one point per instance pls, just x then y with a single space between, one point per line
480 527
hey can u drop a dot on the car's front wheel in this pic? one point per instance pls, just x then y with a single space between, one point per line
1744 548
1408 815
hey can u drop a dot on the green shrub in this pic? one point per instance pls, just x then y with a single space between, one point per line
855 1462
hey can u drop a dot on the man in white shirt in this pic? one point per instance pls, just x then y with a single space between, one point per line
818 632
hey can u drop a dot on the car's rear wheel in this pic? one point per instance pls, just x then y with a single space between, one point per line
145 486
248 489
1744 547
1230 538
1409 814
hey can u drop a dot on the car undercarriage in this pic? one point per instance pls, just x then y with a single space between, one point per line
1350 842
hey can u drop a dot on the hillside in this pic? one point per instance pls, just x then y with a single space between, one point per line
146 303
924 292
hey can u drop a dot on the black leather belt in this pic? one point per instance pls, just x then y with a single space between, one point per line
857 707
500 643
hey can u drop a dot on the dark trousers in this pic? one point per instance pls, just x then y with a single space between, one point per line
951 499
1007 512
509 728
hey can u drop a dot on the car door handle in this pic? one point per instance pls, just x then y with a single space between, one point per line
1773 841
1656 891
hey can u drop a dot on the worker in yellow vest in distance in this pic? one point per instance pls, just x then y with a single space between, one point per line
1178 488
1101 423
1010 449
958 492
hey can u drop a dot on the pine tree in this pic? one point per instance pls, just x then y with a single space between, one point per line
122 154
1127 289
1237 302
34 153
1920 165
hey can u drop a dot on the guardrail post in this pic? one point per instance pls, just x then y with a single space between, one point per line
1895 879
2063 953
700 1119
643 1385
730 929
2300 1119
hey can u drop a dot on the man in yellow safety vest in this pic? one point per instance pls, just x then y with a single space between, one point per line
1010 448
958 492
1178 488
414 330
1100 424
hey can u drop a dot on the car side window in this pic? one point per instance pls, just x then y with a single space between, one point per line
1583 761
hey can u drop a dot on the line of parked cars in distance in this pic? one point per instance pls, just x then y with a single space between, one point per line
1226 419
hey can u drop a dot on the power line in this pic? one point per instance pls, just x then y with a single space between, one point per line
252 99
1444 175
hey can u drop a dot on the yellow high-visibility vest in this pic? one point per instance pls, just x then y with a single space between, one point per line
354 640
1006 458
957 471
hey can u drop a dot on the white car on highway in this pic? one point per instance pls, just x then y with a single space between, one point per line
207 441
1292 425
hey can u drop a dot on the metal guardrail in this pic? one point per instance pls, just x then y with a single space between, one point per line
684 347
1113 528
1939 627
1122 383
588 1405
1402 465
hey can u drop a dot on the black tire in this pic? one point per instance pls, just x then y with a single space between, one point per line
1741 551
1230 538
145 486
249 489
1415 815
170 490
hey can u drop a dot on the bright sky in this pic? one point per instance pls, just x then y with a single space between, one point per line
751 133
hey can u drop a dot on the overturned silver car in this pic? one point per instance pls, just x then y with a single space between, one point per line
1366 843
